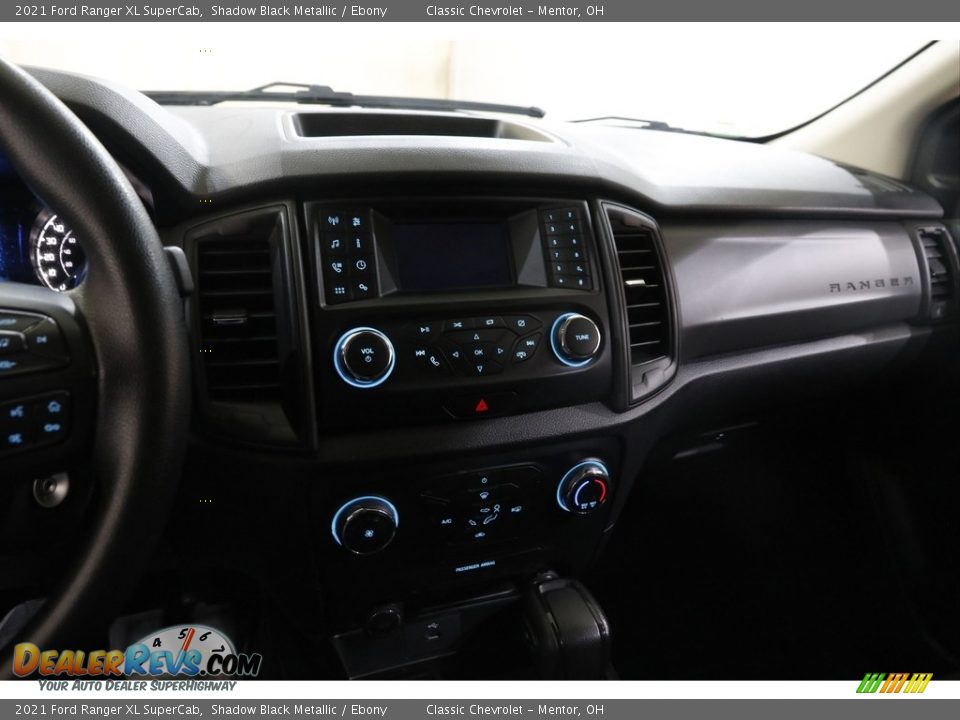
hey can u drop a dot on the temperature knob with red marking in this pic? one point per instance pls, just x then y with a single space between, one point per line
584 488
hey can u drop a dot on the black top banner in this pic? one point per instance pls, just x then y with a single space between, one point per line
504 11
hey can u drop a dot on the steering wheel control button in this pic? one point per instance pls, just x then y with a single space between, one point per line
34 422
584 488
23 363
575 339
11 343
29 343
364 357
45 340
52 418
365 525
16 321
16 426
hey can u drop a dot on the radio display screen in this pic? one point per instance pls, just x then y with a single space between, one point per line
452 256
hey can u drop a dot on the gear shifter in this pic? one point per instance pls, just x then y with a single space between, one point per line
567 630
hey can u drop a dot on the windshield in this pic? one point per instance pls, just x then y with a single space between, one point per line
738 88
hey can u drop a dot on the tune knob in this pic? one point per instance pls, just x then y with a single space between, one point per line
575 339
365 525
363 357
584 487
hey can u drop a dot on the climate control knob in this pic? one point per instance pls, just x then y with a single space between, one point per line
575 339
584 488
365 525
363 357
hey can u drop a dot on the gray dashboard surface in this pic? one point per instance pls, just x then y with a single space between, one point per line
207 151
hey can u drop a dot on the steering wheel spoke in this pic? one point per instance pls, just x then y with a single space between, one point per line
47 380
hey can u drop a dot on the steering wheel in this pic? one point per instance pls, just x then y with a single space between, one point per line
123 365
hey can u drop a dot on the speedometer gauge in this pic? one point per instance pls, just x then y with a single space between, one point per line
58 258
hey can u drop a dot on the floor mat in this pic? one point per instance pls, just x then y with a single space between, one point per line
763 562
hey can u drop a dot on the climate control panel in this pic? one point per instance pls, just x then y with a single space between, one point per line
476 508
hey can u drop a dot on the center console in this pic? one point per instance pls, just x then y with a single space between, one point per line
455 310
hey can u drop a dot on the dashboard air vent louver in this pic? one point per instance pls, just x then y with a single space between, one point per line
238 321
934 242
940 263
644 287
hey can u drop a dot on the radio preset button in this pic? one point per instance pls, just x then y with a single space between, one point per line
566 255
559 215
565 227
581 282
570 268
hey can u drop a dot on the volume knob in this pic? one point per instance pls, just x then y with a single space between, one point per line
363 357
574 339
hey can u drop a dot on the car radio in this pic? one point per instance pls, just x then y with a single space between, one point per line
456 309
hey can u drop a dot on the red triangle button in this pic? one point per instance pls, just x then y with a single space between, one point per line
481 406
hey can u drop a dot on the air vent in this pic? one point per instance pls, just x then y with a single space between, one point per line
644 286
935 243
238 320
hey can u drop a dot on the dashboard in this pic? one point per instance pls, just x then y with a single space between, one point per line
432 352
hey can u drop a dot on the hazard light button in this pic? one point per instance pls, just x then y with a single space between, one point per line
480 405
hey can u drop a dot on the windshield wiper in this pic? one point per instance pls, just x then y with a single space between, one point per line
323 95
644 124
